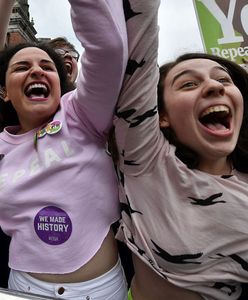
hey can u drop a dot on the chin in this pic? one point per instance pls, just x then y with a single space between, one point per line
223 152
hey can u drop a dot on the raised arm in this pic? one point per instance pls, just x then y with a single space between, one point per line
5 12
101 28
136 124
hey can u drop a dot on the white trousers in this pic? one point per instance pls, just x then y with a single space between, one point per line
109 286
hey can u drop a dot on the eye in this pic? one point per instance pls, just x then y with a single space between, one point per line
189 84
48 68
224 80
21 69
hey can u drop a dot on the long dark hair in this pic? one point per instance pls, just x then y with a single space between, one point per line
239 156
8 115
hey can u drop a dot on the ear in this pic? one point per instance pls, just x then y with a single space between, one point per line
4 94
164 121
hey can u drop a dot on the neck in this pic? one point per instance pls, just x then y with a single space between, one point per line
25 127
219 167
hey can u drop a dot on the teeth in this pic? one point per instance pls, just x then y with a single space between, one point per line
216 108
37 86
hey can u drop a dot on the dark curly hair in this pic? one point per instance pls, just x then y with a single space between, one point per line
8 115
239 156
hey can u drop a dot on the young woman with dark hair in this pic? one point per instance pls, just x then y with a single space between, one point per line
58 187
183 169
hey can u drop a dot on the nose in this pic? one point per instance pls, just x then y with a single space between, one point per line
37 71
213 88
67 54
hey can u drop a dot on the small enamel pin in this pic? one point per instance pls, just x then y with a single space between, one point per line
50 129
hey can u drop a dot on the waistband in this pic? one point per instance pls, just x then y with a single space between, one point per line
105 284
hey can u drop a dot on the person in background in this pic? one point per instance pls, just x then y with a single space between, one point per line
182 138
58 187
70 57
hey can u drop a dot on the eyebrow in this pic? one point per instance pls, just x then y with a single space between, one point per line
189 71
181 74
25 62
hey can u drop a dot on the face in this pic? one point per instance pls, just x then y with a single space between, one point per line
33 87
70 61
205 110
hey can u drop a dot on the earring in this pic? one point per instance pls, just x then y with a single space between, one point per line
3 94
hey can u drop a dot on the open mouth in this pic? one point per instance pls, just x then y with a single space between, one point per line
216 118
68 67
37 90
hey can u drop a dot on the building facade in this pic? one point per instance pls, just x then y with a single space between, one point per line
21 28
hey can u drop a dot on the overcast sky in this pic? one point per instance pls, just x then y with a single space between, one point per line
178 25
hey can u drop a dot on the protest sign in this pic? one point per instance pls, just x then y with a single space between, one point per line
224 27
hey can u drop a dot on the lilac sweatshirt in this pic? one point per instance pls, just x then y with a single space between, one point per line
59 198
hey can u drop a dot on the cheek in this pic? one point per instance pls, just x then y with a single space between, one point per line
178 112
181 121
12 93
75 63
180 109
241 103
13 84
56 102
239 106
181 129
75 70
56 85
9 84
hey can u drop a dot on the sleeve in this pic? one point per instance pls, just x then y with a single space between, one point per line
137 132
5 12
101 28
